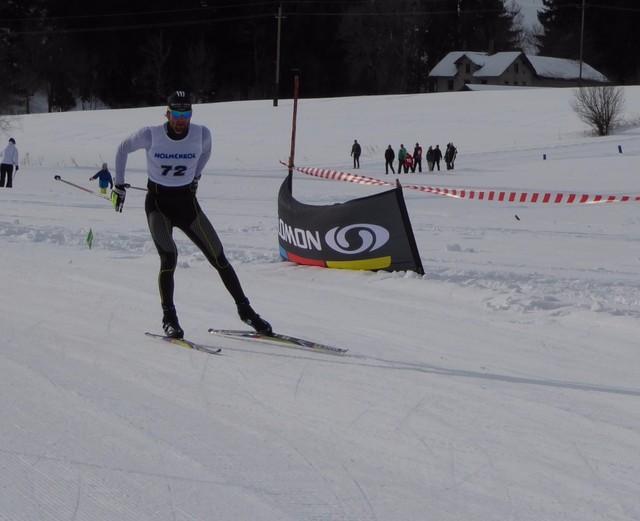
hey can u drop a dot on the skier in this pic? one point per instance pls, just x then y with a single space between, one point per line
9 160
177 152
104 179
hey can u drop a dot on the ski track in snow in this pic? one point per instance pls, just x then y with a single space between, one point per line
523 291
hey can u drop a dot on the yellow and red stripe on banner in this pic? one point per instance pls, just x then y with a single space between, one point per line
371 264
479 195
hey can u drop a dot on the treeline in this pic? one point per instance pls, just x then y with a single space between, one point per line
610 39
132 52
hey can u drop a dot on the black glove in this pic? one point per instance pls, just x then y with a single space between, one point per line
17 168
194 186
118 195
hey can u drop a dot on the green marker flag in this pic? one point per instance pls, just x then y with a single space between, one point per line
90 238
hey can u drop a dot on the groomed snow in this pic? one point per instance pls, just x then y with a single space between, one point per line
502 385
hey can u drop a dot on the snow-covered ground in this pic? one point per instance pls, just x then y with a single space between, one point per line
502 385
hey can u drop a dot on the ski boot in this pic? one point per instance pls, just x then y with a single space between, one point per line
170 323
250 317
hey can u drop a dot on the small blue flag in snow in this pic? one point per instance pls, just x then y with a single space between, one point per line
90 238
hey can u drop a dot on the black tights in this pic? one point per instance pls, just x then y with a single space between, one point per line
179 208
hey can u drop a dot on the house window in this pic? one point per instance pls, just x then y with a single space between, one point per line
450 84
516 68
467 68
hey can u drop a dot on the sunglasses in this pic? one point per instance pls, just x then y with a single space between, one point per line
179 114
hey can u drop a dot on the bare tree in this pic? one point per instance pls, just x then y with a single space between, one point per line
200 71
152 77
600 107
31 57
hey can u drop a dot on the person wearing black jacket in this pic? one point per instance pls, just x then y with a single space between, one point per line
389 157
430 158
356 150
450 156
437 156
417 158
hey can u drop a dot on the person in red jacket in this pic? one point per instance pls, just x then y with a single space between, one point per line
408 163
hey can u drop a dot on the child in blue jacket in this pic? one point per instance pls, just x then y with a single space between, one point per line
104 179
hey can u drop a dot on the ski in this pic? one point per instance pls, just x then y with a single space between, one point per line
280 340
187 344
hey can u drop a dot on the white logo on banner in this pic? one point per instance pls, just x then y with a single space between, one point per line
371 235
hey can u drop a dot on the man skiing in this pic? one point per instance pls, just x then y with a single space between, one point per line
177 152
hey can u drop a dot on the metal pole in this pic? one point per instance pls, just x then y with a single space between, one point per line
276 89
581 42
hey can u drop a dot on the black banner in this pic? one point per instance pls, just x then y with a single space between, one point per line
371 233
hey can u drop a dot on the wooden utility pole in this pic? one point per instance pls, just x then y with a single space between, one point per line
276 88
581 43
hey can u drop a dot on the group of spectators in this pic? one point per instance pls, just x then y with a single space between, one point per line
410 162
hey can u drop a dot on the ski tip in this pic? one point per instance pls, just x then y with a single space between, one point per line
280 339
212 350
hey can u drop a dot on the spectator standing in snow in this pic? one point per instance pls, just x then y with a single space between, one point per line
177 152
417 158
10 157
402 155
450 156
408 163
104 179
437 156
389 156
430 158
356 150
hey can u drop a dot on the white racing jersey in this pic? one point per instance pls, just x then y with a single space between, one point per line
170 162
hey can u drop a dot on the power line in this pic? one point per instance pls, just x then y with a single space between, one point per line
143 26
219 19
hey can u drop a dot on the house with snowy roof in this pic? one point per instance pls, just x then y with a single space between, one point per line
460 69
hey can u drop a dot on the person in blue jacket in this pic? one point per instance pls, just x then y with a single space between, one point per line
104 179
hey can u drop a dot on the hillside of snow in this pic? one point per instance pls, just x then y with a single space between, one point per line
501 385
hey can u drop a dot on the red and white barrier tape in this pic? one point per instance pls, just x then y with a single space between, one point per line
479 195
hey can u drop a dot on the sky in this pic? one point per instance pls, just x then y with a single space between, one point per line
501 385
529 10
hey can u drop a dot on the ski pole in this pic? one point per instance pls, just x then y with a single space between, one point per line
127 186
102 196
